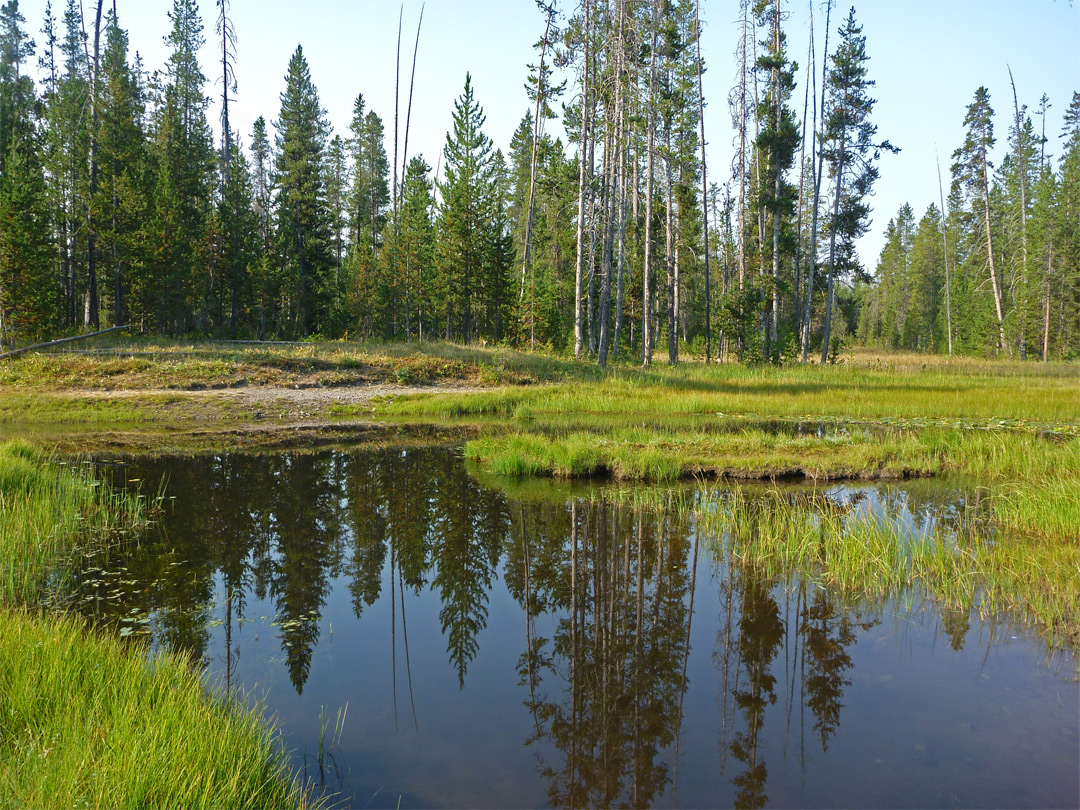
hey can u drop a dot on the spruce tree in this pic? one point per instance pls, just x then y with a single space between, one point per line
184 161
121 203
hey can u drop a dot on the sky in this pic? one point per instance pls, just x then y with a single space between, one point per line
927 57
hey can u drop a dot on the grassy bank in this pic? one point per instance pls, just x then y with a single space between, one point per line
51 514
137 364
85 718
89 721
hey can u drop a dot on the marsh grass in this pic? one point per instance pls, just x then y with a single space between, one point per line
52 512
860 554
978 395
87 721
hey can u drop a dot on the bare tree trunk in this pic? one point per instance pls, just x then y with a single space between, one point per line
621 247
818 137
990 255
647 274
1046 317
669 255
796 309
90 316
743 114
537 128
611 190
397 95
704 185
945 239
1023 222
583 183
774 326
832 247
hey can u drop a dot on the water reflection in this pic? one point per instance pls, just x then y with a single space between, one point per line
642 667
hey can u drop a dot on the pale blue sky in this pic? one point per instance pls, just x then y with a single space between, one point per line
927 56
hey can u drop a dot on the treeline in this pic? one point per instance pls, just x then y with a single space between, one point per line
118 204
998 273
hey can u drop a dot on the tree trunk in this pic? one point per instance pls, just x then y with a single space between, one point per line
525 269
1023 222
583 182
646 278
990 255
91 314
774 326
945 240
704 186
817 192
832 247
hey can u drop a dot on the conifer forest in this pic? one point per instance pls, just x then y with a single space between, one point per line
122 203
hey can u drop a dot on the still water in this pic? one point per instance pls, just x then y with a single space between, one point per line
430 638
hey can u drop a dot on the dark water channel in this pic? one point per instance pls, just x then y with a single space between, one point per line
529 647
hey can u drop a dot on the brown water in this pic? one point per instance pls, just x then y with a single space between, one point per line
499 645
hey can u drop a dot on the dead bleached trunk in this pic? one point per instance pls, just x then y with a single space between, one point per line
818 137
646 279
584 171
537 129
1023 222
945 240
704 185
774 325
990 254
832 246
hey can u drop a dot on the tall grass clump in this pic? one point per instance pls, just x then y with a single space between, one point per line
49 514
86 723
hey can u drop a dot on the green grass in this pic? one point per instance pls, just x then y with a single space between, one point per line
87 720
51 514
140 364
1033 578
977 395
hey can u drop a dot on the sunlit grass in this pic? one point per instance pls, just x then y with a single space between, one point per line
86 720
49 513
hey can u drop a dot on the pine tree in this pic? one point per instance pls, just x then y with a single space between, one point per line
777 142
27 289
121 205
851 153
971 170
467 164
303 225
183 182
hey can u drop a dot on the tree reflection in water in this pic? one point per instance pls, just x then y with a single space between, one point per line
605 690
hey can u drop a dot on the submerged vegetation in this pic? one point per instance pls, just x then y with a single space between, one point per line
87 719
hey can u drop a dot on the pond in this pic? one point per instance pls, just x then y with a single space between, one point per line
429 637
